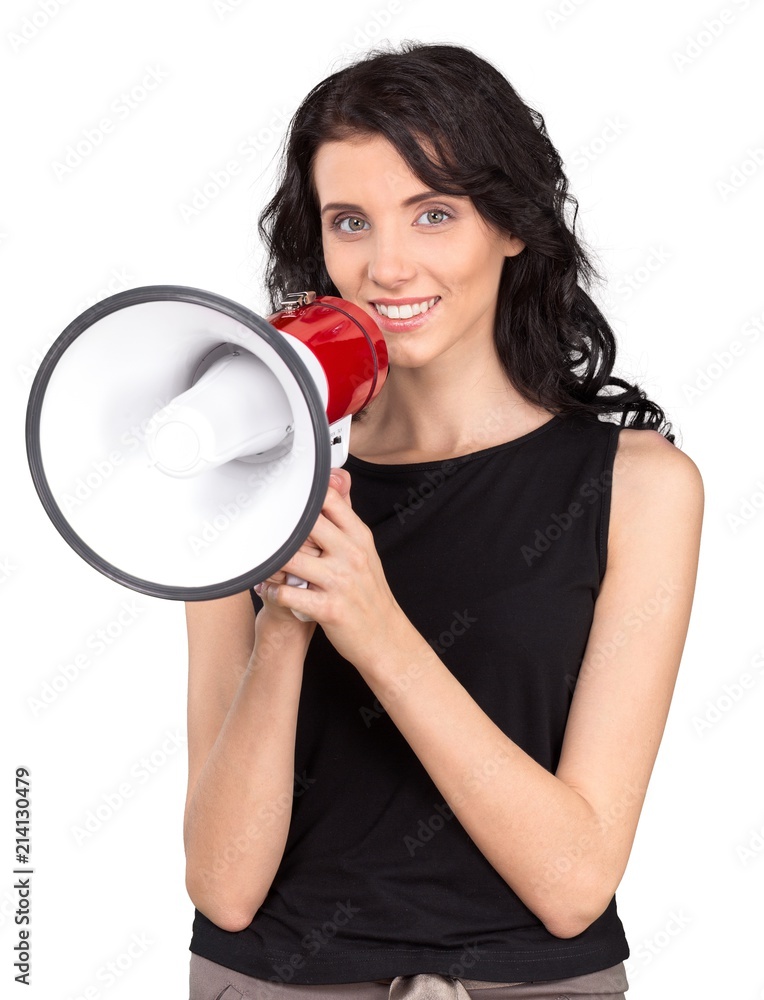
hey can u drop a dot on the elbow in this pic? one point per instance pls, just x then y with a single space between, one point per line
226 914
569 928
231 921
568 921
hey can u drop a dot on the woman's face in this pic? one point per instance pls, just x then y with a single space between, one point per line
425 265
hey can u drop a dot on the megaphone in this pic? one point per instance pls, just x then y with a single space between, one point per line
181 444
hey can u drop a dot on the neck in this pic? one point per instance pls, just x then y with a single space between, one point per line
431 413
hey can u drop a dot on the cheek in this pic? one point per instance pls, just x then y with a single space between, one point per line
340 263
470 266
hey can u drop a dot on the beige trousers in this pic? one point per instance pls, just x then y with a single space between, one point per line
210 981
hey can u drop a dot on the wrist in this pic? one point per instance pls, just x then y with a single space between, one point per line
278 637
394 642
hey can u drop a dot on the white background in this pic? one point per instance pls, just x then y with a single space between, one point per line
654 109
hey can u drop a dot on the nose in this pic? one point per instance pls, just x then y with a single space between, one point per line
390 262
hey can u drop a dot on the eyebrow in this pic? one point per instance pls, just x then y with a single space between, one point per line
335 206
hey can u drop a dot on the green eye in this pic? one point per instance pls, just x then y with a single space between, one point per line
435 216
354 224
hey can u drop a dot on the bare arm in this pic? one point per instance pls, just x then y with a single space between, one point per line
244 689
245 676
561 841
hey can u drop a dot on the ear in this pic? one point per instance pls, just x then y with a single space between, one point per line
512 246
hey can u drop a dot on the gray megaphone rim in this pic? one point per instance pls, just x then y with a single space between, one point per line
195 296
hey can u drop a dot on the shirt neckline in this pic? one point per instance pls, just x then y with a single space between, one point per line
361 463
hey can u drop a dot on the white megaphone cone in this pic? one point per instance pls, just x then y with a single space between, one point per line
182 444
237 408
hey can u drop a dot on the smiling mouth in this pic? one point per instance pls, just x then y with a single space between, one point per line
406 311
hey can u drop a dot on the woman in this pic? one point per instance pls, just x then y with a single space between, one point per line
432 788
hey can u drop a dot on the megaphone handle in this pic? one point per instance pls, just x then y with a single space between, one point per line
297 581
339 443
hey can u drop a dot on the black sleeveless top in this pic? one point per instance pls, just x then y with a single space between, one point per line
496 558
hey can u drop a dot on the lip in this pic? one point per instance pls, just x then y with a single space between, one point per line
404 302
388 325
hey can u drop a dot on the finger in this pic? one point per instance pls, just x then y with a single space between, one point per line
340 480
330 533
310 547
309 568
284 596
339 511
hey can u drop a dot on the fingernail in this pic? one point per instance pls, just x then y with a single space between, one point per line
257 588
335 481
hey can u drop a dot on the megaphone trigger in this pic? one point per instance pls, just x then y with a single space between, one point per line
296 581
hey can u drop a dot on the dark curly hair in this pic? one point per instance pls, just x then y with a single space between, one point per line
483 141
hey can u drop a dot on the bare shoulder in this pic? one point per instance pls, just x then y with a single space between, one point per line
645 457
655 483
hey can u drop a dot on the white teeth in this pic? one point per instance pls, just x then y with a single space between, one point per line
407 311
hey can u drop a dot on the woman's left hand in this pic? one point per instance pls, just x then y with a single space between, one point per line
348 594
